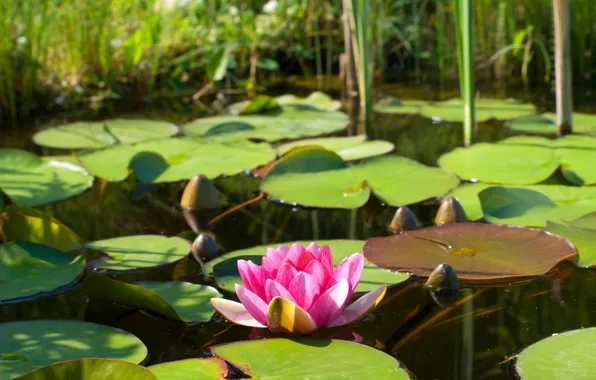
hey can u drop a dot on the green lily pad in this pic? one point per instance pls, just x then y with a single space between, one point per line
310 359
533 206
348 148
479 253
486 109
175 159
586 222
179 301
90 369
22 224
30 181
319 178
583 240
317 100
140 251
261 104
28 269
501 163
45 342
546 123
405 107
191 369
100 134
224 269
565 356
467 196
289 122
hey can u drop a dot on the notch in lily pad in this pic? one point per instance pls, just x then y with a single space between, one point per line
179 301
479 253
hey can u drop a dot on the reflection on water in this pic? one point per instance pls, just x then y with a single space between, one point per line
468 337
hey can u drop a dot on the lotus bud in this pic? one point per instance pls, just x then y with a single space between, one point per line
200 202
403 220
204 248
450 212
443 277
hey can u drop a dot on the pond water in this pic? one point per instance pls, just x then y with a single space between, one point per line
469 337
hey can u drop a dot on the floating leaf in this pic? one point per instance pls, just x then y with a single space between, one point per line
82 135
180 301
140 251
583 240
348 148
546 123
406 107
28 269
90 369
317 100
477 252
565 356
290 122
30 181
261 104
24 224
586 222
533 206
225 269
310 359
501 163
500 109
176 159
191 369
44 342
318 178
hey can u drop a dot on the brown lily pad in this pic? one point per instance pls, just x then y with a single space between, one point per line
488 253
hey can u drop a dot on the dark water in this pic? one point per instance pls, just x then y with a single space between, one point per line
471 337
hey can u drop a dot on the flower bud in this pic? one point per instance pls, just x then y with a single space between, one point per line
450 212
403 220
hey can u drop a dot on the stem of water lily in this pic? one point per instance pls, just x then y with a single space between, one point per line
314 221
353 217
237 207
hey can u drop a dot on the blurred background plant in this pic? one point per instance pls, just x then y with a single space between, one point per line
60 54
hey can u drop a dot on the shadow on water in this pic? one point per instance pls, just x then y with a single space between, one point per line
470 337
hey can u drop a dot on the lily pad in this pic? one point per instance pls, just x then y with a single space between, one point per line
467 196
348 148
224 269
22 224
501 163
176 159
310 359
404 107
486 109
583 240
90 369
477 252
179 301
565 356
319 178
100 134
289 122
546 123
140 251
191 369
317 100
586 222
28 269
45 342
533 206
30 181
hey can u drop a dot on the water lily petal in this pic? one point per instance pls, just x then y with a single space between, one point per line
361 307
326 259
253 276
330 304
299 257
349 269
284 316
316 269
272 261
253 304
275 289
313 248
285 274
305 289
235 312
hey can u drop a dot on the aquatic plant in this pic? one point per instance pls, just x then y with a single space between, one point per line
297 290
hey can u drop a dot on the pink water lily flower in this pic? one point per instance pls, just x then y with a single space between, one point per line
297 290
